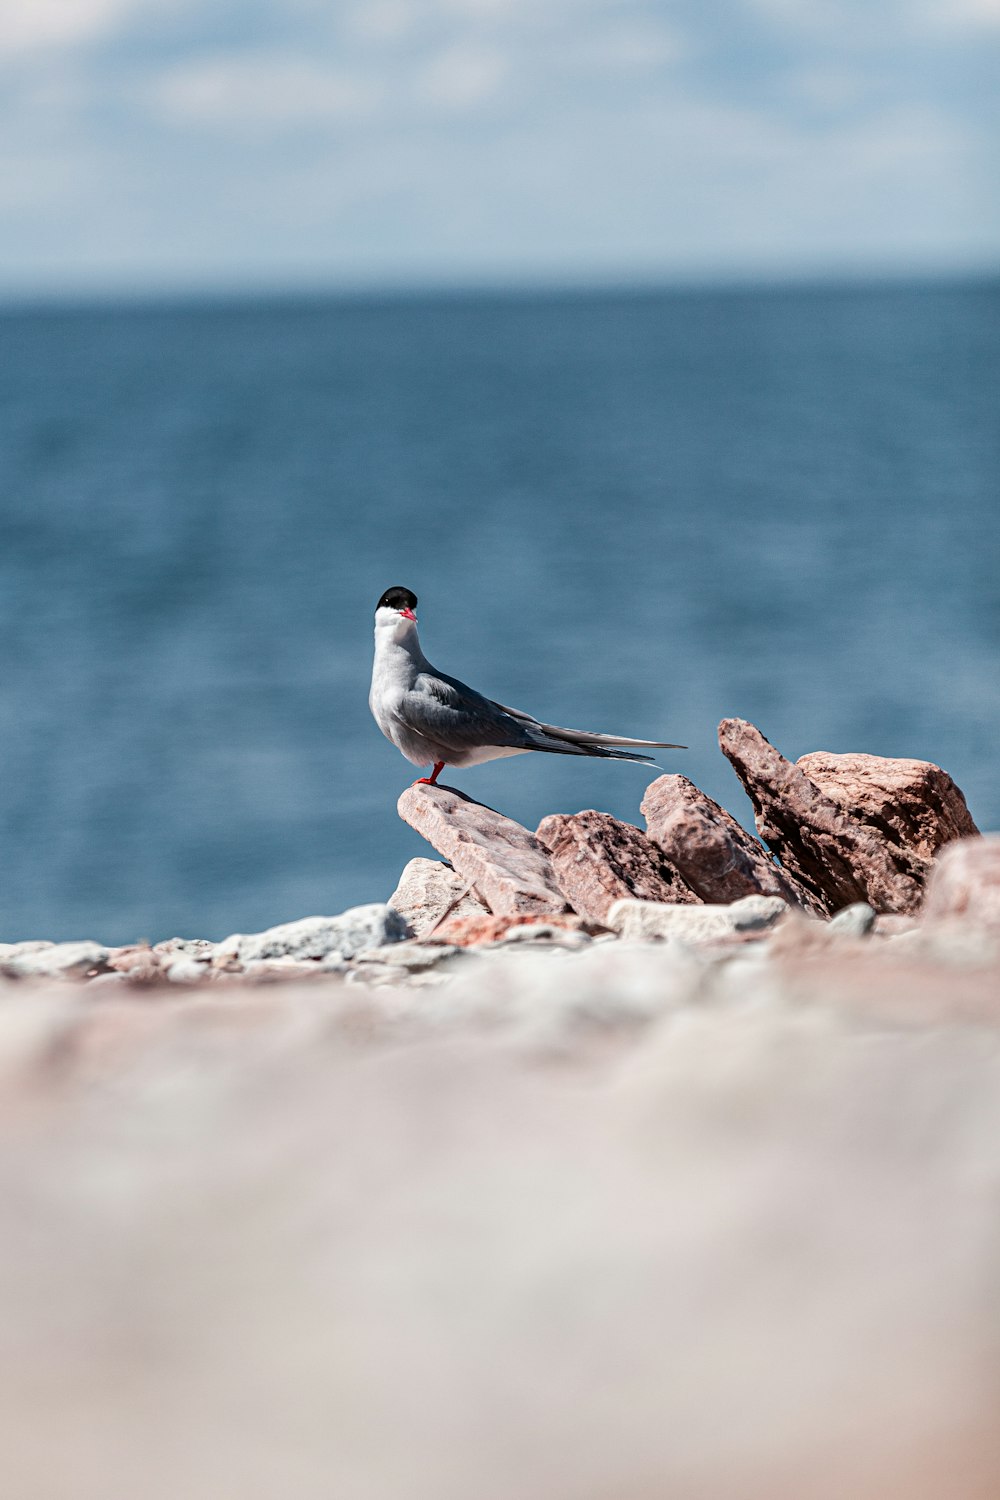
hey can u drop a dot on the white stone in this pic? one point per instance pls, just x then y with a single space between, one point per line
15 950
427 890
187 971
856 920
754 913
644 920
315 937
57 960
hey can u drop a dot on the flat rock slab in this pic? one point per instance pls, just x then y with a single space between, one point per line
715 856
912 803
598 860
639 921
508 867
428 890
835 856
965 884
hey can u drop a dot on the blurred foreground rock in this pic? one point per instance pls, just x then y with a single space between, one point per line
964 888
631 1220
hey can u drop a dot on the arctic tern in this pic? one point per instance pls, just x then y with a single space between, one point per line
436 719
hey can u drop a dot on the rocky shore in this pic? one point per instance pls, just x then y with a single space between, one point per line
598 1161
851 847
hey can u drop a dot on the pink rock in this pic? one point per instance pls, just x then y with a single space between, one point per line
715 856
509 869
597 861
912 803
964 884
834 855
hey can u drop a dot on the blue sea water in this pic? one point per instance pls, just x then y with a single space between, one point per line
637 512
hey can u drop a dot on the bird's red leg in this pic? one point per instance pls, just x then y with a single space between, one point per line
431 780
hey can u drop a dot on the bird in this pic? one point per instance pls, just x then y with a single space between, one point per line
434 719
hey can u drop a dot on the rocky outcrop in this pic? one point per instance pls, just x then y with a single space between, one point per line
912 804
506 864
965 884
715 857
428 891
598 860
838 858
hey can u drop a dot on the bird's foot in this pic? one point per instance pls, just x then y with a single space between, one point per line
431 780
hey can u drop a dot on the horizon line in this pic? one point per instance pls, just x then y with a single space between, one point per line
346 290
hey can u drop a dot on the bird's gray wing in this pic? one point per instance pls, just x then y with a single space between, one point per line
453 715
584 737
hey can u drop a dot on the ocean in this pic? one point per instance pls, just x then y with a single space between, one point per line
632 511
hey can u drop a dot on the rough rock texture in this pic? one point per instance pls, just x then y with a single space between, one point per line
598 860
833 855
509 868
638 921
54 960
315 937
471 931
965 883
715 856
911 803
427 889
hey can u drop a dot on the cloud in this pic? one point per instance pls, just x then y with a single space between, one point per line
39 25
261 93
390 139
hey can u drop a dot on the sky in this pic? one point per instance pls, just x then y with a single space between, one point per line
185 144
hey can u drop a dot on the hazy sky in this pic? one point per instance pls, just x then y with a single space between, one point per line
158 143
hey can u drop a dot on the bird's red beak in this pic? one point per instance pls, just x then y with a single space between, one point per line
408 614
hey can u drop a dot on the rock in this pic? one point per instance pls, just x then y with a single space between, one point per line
964 884
315 937
412 958
716 858
15 950
197 948
911 803
857 920
598 860
755 913
472 931
271 970
836 857
507 865
427 889
138 960
545 933
641 921
186 970
894 924
57 960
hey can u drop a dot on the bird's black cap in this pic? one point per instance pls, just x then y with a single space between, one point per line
397 598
